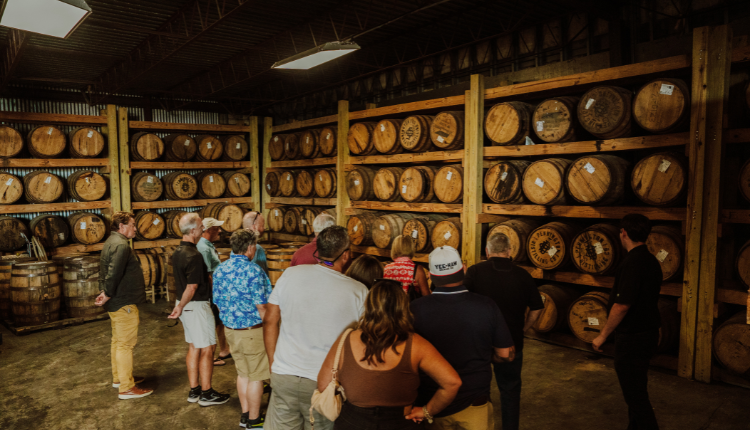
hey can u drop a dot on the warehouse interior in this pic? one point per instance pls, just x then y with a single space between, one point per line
444 120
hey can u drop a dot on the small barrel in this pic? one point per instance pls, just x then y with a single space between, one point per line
149 266
327 141
237 184
385 184
211 185
276 147
517 230
210 148
361 227
605 112
543 181
416 184
415 133
360 138
447 233
41 186
308 144
292 146
557 300
160 256
743 264
60 259
360 183
660 179
179 147
503 182
287 178
731 344
35 293
86 228
554 120
279 259
447 130
180 186
46 141
306 220
51 230
11 142
236 148
81 286
145 187
587 315
292 219
386 136
85 142
6 264
11 234
448 184
662 105
227 212
146 147
149 225
275 218
597 180
325 183
669 331
420 230
744 180
172 223
388 227
508 123
11 188
303 183
272 181
597 249
87 186
548 246
668 246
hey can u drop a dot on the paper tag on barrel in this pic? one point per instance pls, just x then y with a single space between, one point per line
593 321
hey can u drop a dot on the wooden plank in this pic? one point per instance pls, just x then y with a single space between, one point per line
8 163
408 107
736 297
209 128
148 244
622 144
52 118
191 165
23 330
420 157
286 164
115 193
190 203
736 216
302 201
254 169
605 212
737 135
342 159
407 207
741 54
70 249
267 127
54 207
471 246
371 250
330 119
284 237
122 130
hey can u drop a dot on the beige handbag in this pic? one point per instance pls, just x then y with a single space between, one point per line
329 402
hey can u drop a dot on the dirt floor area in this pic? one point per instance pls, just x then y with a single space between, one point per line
61 379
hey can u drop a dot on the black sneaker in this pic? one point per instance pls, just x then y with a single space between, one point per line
243 421
256 423
212 397
266 388
194 395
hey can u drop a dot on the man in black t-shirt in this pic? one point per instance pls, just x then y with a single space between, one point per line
634 317
513 290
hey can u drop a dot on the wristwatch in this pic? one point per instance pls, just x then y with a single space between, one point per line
427 414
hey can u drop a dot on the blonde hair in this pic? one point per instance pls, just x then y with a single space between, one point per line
403 246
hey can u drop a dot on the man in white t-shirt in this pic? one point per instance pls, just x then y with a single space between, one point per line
316 303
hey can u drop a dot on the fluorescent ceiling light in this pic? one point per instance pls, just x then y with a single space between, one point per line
51 17
317 56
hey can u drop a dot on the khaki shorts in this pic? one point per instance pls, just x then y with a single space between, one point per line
198 322
471 418
249 353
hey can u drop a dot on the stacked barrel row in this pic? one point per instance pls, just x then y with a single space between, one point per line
48 141
308 144
414 184
180 185
52 230
151 225
428 231
41 186
179 147
301 183
294 219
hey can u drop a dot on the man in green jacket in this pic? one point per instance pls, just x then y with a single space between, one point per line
123 287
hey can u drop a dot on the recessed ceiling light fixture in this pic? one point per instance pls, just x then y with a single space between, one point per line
56 18
317 56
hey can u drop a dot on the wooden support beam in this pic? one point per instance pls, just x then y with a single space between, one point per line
17 42
114 159
254 143
122 130
342 197
267 132
473 154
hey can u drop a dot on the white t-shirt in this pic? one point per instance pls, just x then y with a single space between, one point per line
317 304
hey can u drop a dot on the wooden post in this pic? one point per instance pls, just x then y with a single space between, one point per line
267 132
122 129
254 142
473 157
342 159
114 159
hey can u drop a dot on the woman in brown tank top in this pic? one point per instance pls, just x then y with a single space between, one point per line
379 366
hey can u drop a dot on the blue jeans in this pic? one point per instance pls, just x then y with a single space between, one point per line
508 377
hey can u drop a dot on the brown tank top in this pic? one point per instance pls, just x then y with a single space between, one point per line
372 388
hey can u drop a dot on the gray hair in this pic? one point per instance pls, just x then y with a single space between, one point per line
322 222
332 242
498 243
188 222
241 240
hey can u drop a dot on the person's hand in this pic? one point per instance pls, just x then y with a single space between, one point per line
175 313
101 299
598 342
416 415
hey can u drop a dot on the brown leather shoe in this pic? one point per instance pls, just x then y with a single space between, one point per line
135 393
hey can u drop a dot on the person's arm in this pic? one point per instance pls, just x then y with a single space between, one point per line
420 281
616 314
271 328
118 262
531 319
502 341
436 367
184 300
504 355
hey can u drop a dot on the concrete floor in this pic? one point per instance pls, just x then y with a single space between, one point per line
61 379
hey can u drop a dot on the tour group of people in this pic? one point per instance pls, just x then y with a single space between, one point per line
408 355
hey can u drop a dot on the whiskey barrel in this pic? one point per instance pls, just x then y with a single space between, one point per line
385 184
557 300
447 233
605 112
276 147
743 264
211 185
662 105
508 123
145 187
731 344
306 220
81 286
86 228
360 138
361 227
554 120
292 146
597 249
179 186
149 225
667 244
517 230
11 230
11 142
327 141
60 259
543 181
6 264
416 184
292 219
744 180
549 245
415 133
325 183
503 182
308 144
46 141
179 147
87 186
161 256
420 230
360 183
172 223
41 186
597 180
279 259
273 182
227 212
447 130
287 178
224 254
35 293
386 136
275 218
238 184
588 315
236 148
388 227
171 287
85 142
146 147
11 188
660 179
303 183
210 148
449 184
51 230
149 266
669 331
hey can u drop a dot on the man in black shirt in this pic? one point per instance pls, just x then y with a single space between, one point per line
514 290
194 311
634 317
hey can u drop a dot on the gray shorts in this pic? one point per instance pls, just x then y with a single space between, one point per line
198 322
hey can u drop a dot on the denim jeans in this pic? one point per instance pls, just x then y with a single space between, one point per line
508 377
633 353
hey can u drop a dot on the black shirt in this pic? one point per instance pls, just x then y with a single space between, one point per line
511 287
464 327
637 283
189 268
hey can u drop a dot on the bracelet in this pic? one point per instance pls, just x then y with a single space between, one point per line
427 414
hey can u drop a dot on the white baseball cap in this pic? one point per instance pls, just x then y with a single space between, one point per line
211 222
446 266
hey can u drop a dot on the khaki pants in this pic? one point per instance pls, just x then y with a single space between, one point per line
289 407
124 337
471 418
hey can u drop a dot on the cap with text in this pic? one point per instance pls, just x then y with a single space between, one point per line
211 222
446 266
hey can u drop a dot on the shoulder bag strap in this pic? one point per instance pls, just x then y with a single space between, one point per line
335 369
